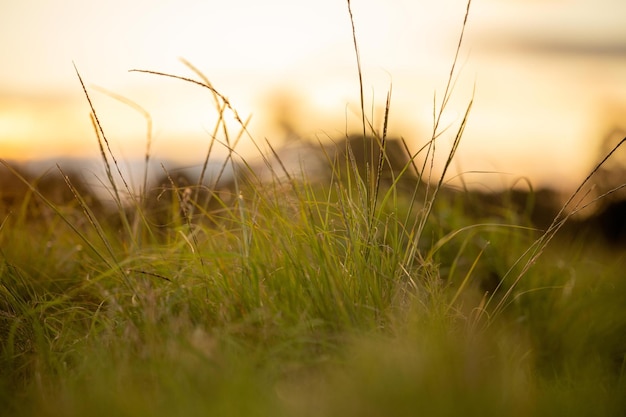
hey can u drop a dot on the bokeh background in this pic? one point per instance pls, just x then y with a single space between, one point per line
548 77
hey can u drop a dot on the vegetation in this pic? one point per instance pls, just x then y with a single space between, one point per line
378 292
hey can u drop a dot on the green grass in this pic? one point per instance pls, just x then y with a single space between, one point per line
297 322
362 295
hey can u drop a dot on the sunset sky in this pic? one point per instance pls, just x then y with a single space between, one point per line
549 76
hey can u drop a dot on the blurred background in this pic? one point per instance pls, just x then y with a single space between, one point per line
548 77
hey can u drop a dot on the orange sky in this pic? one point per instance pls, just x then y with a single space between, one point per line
549 76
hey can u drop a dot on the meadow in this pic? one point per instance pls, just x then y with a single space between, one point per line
376 290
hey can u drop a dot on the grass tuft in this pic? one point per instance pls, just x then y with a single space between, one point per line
376 291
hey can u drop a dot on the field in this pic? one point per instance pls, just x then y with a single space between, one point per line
376 290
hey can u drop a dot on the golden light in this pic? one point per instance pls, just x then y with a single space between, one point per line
541 74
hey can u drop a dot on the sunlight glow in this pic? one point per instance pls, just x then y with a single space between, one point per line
538 69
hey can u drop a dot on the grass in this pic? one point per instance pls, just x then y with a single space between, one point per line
289 297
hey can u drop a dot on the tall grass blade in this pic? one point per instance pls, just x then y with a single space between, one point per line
535 251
